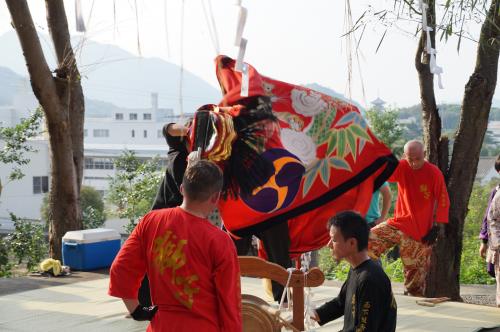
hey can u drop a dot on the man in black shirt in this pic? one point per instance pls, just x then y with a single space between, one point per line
365 300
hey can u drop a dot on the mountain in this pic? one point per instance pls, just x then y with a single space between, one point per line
334 94
9 84
113 75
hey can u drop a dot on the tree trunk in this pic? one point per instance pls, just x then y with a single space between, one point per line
443 279
62 100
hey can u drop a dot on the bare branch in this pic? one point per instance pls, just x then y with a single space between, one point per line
410 5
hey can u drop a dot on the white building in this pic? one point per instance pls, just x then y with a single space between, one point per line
24 197
105 139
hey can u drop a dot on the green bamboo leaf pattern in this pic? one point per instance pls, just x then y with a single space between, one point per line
311 175
325 172
332 142
351 140
308 182
341 143
339 163
362 143
320 128
360 132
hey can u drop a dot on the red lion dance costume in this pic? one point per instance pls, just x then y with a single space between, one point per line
292 158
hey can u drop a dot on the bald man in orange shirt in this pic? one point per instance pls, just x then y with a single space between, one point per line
421 210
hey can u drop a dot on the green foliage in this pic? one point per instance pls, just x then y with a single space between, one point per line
92 218
134 187
92 205
5 264
332 269
92 208
473 267
27 242
393 269
339 271
385 125
16 139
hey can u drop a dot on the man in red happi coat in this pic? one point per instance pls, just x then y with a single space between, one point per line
192 265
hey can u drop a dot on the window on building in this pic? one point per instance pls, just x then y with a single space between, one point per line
40 184
132 116
98 163
118 116
101 132
146 116
133 133
85 133
145 133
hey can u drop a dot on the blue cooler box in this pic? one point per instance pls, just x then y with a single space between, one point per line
90 249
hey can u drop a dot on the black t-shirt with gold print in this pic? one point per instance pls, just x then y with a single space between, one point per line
365 300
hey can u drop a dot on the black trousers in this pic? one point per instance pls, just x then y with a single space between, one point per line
144 295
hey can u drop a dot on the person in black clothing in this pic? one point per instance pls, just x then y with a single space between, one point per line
365 299
169 194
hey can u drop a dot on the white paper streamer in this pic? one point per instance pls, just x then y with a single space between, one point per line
434 68
244 81
242 19
241 55
80 24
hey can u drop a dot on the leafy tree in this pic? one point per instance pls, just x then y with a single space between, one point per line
460 169
134 187
60 94
5 264
15 143
27 242
386 126
92 208
473 267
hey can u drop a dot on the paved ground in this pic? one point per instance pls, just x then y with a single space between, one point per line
471 294
22 284
80 303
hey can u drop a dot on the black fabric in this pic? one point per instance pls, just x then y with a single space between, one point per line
431 236
169 194
365 300
276 242
246 168
142 313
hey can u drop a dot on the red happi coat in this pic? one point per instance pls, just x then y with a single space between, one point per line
192 268
326 160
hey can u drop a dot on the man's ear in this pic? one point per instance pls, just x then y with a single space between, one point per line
181 189
353 243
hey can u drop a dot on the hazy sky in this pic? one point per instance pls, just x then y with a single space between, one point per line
298 41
